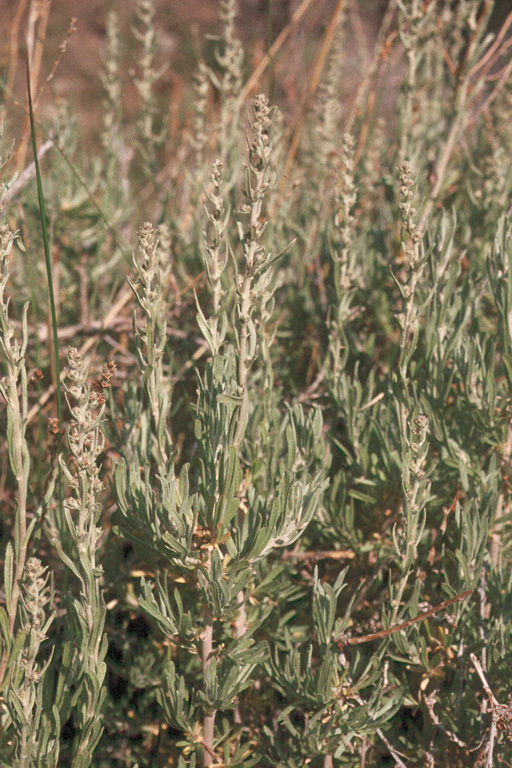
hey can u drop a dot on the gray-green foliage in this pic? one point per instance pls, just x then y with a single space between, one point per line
310 436
210 523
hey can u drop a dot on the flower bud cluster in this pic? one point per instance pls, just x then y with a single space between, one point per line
36 594
26 673
417 22
112 85
345 196
408 213
6 243
419 446
259 181
231 59
149 274
415 482
215 244
11 349
199 136
261 125
85 438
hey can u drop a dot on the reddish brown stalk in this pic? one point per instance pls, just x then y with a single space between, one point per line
14 43
495 50
500 73
449 63
469 48
276 45
381 53
334 554
341 642
36 39
19 158
504 76
445 155
311 90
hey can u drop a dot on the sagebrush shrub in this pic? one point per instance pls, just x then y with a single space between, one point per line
274 526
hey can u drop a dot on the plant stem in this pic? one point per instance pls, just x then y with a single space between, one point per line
207 650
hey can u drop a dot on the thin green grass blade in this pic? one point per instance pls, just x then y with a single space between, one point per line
118 239
46 245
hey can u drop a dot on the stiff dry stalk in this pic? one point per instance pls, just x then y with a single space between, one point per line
311 89
39 14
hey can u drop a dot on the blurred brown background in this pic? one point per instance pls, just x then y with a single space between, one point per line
181 29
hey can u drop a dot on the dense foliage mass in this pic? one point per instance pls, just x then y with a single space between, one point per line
302 435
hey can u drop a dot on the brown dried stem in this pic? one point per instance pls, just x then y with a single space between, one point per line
311 90
406 624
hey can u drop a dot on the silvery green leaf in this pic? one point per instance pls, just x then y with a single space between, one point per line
224 324
272 260
252 340
17 647
324 610
205 329
210 694
4 630
230 399
236 680
8 575
177 700
160 611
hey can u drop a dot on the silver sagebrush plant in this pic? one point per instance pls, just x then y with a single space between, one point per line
149 139
309 446
82 511
30 729
221 527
